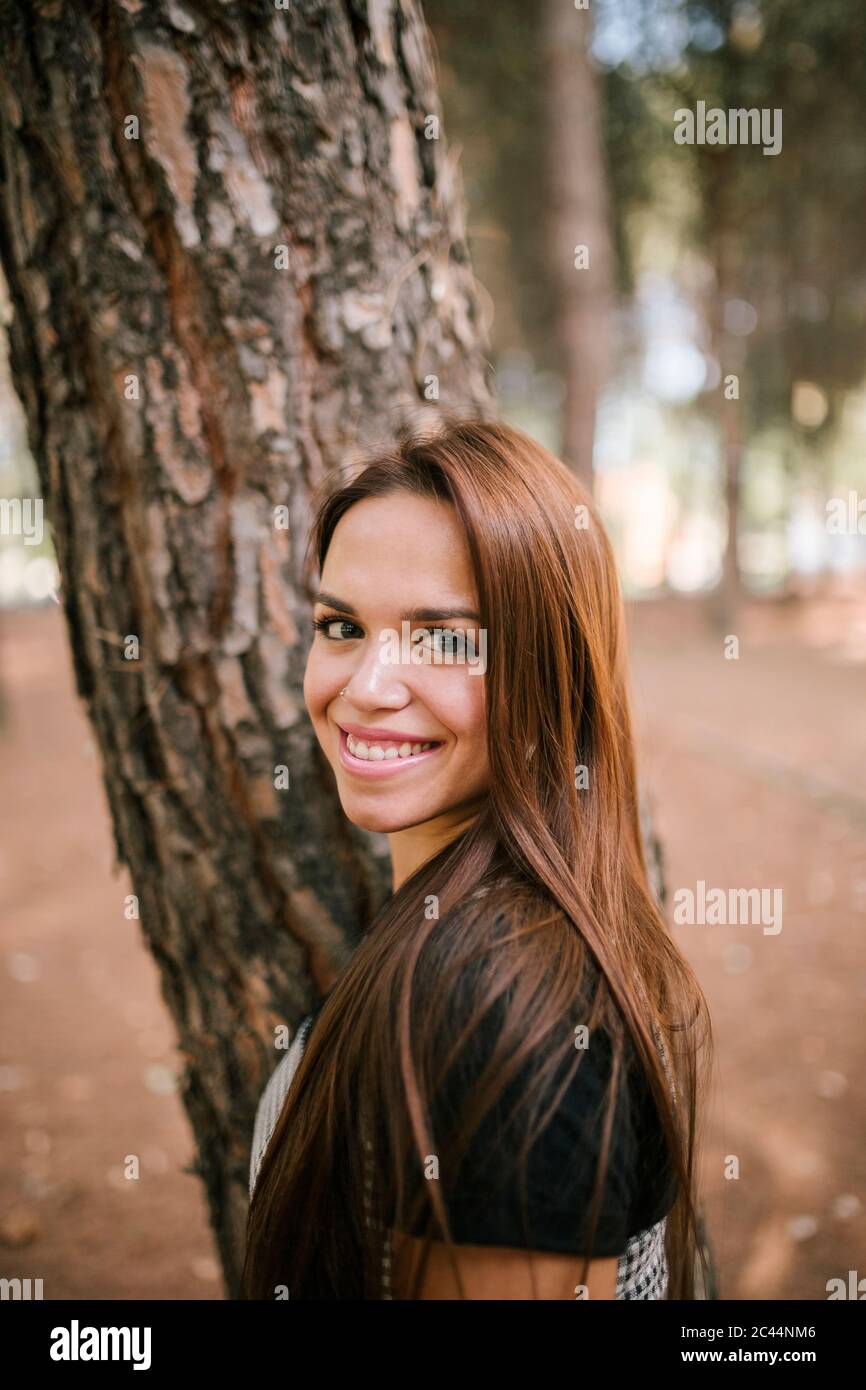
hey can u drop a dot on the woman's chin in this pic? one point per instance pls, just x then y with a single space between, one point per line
382 820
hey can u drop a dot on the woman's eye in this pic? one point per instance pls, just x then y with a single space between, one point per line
447 641
327 626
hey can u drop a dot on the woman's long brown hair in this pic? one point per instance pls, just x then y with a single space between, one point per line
565 931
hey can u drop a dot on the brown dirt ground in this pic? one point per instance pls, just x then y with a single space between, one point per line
757 768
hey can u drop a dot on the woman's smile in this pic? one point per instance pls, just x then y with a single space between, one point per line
383 757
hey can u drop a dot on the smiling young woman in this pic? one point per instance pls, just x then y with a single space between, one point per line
498 1097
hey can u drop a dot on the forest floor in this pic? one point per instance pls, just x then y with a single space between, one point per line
756 766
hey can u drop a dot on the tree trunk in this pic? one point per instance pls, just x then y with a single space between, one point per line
232 248
578 216
729 350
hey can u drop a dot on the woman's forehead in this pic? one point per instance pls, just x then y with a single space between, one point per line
409 542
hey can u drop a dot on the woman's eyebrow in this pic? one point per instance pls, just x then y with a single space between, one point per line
414 615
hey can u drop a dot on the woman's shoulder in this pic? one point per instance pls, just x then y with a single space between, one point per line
574 1097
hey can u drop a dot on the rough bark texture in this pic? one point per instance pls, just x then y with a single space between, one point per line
182 378
578 216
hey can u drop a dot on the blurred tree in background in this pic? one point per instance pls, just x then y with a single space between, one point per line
782 233
760 258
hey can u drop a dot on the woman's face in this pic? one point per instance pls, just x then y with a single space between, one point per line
390 559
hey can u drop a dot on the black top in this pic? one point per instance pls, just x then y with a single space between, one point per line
484 1201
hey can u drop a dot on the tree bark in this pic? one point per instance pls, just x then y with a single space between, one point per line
578 216
182 378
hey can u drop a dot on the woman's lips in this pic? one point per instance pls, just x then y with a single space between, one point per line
381 767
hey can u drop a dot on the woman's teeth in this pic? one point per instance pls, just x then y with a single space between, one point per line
373 751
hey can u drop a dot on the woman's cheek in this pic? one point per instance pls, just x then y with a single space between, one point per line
456 700
315 688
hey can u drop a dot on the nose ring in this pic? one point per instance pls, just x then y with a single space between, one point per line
343 691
